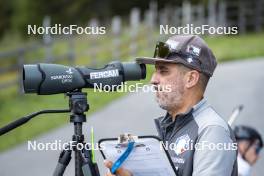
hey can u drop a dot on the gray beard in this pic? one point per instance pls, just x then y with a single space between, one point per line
170 101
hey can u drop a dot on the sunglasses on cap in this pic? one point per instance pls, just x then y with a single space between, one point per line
166 51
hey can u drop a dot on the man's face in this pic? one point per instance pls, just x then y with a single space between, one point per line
169 79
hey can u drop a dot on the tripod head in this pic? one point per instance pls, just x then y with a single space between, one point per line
78 104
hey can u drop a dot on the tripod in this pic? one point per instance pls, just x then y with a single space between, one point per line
84 165
78 104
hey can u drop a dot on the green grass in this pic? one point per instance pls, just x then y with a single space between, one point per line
12 106
227 48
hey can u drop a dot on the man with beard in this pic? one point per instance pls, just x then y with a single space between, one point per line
204 143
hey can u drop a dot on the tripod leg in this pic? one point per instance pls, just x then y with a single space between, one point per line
78 138
86 170
64 160
89 168
78 164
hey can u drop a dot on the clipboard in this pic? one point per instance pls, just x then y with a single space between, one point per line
148 157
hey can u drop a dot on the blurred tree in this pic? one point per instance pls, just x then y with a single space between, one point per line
63 12
17 14
5 16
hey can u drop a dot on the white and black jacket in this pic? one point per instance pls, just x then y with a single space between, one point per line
199 142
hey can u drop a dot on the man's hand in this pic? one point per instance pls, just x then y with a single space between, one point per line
120 171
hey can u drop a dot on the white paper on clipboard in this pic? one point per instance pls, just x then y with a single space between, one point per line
147 160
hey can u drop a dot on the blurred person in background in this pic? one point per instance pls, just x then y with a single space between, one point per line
249 146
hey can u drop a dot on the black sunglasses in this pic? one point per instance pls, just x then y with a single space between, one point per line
164 50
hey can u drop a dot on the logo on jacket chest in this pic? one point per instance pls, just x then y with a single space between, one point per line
182 144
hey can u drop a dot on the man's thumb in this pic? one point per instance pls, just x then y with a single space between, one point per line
119 171
108 164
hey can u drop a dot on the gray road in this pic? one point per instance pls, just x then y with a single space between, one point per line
234 83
